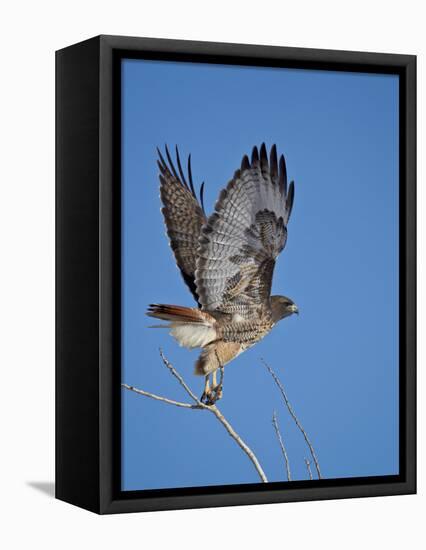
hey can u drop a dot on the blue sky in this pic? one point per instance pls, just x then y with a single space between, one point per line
339 359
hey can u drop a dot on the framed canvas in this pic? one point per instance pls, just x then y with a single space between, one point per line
216 191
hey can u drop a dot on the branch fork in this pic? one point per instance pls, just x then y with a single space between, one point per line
199 405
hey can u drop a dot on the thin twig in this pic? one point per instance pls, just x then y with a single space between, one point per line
281 442
199 405
293 415
308 467
238 440
179 378
160 398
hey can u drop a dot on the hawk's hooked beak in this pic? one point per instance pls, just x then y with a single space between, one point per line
294 309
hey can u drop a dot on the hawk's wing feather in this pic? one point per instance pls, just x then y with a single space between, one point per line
243 237
183 215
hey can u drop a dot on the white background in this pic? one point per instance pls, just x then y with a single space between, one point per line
30 32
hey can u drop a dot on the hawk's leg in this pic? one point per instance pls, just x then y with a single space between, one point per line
205 398
218 388
214 392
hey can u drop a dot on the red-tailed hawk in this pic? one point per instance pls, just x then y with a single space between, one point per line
227 259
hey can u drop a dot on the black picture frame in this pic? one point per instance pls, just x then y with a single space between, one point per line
88 274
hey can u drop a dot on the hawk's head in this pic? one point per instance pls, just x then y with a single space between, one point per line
282 307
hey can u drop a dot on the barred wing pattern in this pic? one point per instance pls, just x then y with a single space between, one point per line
243 237
183 215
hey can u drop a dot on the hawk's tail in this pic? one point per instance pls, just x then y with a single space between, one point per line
168 312
191 327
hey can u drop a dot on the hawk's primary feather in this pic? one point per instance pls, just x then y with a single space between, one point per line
183 215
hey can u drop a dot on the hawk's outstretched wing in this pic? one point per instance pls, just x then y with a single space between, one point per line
183 215
243 237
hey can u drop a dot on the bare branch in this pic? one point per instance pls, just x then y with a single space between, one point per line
308 467
199 405
159 398
293 415
179 379
238 440
281 442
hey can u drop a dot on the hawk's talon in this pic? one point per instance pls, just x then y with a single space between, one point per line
212 395
205 398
